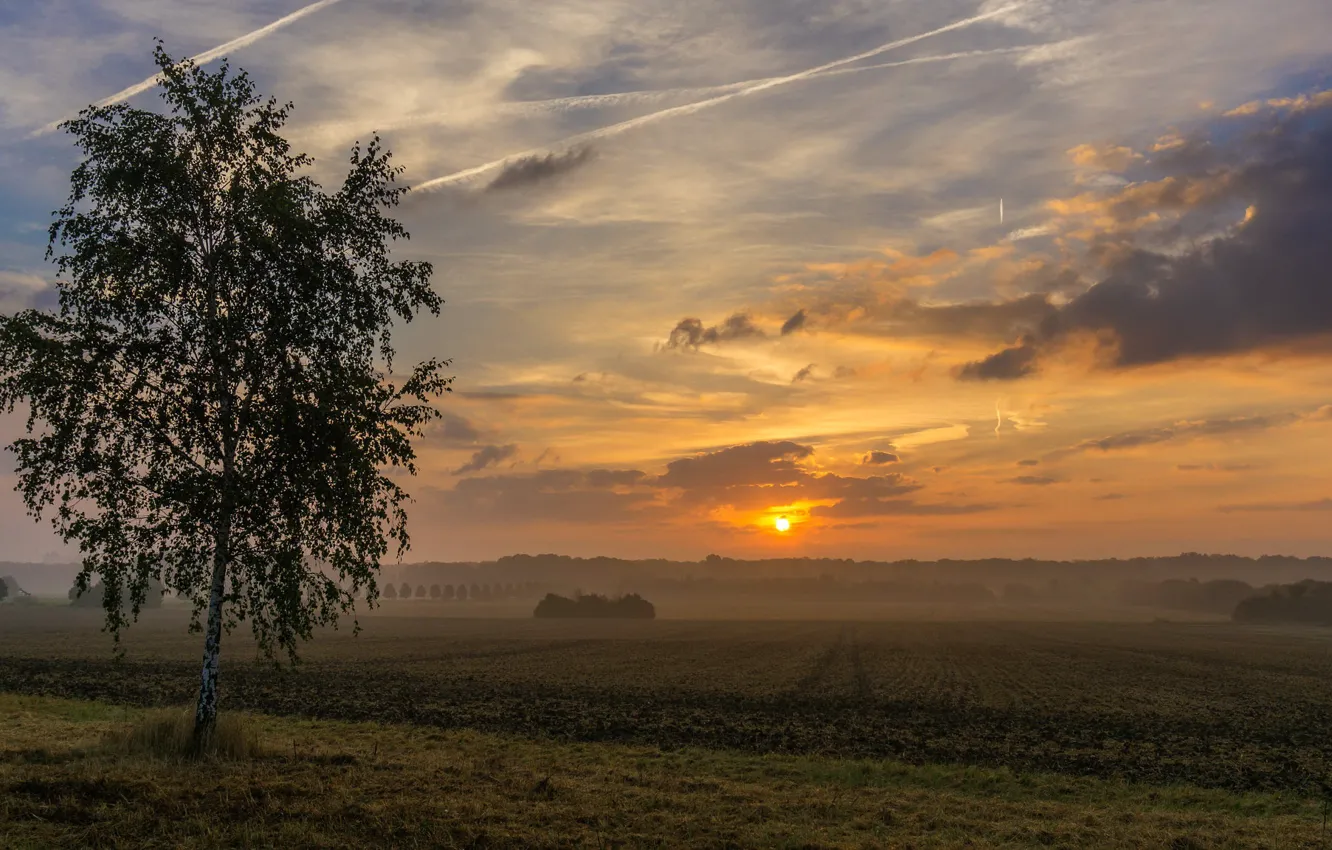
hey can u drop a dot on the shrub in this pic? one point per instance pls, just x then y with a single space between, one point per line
390 592
435 591
405 591
420 591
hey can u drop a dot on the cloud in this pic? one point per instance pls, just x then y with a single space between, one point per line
761 463
486 456
1006 365
1029 462
23 291
748 477
1031 480
878 458
803 374
1264 507
1213 467
1258 283
698 106
1190 429
551 495
690 333
531 170
795 323
1187 430
893 507
1108 157
1110 497
455 428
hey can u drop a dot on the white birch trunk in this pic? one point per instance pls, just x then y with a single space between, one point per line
205 716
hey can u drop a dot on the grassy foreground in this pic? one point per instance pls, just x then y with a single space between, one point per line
64 783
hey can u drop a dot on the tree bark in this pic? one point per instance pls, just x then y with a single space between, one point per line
205 715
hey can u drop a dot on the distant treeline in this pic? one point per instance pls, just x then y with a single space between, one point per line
460 592
631 606
92 598
1099 577
1307 602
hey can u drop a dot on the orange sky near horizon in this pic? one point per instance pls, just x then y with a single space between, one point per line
684 300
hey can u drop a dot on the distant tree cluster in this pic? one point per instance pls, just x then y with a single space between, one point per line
93 596
4 590
1304 602
1214 597
630 607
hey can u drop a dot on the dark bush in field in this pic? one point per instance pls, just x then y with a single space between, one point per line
405 591
1305 602
462 593
448 591
4 590
435 591
630 606
390 592
420 591
95 594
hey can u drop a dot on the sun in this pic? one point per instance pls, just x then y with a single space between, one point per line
783 524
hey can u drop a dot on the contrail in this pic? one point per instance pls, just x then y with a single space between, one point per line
202 59
596 101
619 98
690 108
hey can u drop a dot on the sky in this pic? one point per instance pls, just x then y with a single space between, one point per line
708 263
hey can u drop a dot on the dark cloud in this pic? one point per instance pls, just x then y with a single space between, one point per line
556 494
879 458
746 477
1189 430
690 333
762 463
803 374
1030 462
1261 284
795 323
1214 467
1006 365
893 507
456 429
531 170
1031 480
486 456
1316 505
1110 497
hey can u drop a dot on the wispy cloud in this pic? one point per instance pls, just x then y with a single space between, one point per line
691 108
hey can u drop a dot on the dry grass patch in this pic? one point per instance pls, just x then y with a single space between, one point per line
327 784
169 734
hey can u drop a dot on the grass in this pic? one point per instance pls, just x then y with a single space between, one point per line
169 733
68 778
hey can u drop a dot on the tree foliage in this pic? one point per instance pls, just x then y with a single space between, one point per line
214 405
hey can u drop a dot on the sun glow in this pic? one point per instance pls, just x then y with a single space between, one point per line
783 524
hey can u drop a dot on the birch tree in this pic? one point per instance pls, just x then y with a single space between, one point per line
214 405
